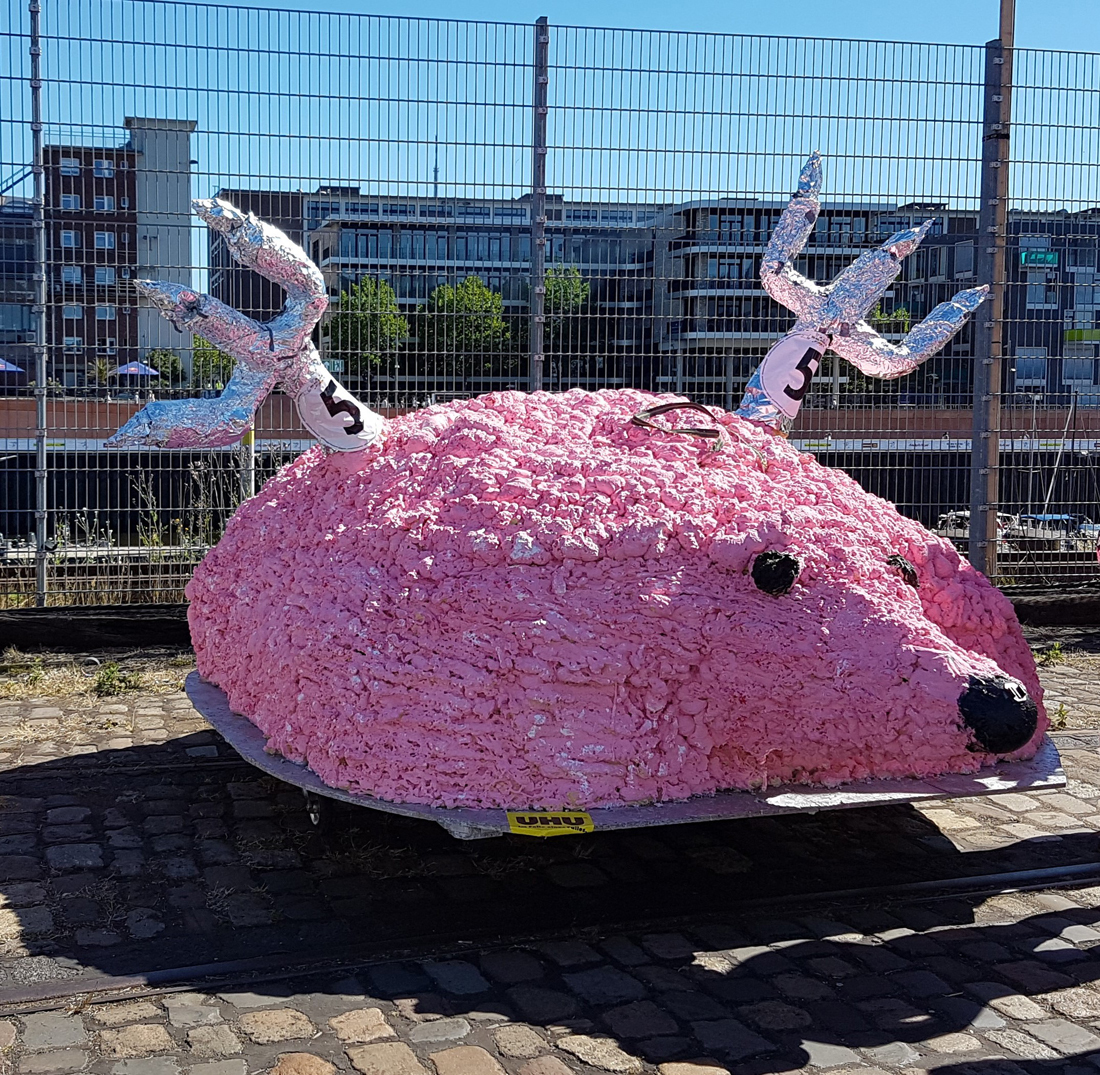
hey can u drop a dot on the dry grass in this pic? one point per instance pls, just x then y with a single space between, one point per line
98 675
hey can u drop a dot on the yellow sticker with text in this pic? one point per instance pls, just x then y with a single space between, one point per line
549 824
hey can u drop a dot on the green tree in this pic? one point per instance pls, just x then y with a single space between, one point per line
210 368
463 329
167 363
566 295
891 321
368 327
567 341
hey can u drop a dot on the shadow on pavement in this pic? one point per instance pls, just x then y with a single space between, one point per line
176 855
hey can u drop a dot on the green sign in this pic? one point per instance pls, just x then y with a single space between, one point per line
1037 258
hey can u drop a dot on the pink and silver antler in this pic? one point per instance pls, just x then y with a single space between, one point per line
269 353
832 316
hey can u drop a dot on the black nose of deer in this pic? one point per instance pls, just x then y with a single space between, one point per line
999 714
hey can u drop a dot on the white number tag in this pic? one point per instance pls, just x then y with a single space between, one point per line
787 370
335 417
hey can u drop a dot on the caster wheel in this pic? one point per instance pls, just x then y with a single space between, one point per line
315 808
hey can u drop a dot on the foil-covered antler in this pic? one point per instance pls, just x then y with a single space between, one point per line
269 353
832 316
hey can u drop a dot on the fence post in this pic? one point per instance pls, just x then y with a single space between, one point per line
39 309
989 323
539 98
248 464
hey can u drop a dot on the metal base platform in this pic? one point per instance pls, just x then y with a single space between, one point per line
1041 773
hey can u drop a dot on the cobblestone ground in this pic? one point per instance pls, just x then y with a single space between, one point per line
132 839
1072 683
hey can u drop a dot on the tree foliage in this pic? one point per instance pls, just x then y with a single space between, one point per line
167 363
463 327
567 294
368 327
210 368
897 320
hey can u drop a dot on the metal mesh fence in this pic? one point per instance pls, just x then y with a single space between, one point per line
407 156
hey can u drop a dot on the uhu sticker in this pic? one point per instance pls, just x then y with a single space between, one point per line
549 824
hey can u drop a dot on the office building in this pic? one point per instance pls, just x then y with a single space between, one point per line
1052 304
17 321
674 299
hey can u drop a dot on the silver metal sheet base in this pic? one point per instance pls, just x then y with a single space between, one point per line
1042 772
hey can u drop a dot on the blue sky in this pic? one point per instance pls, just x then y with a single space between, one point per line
1041 24
290 99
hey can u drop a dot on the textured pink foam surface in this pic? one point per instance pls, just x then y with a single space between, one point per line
525 601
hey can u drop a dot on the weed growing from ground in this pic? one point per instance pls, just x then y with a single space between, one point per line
1052 656
110 679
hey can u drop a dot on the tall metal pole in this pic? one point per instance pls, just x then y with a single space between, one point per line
40 487
248 465
989 337
539 98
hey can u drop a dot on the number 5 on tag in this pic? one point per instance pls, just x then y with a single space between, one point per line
787 370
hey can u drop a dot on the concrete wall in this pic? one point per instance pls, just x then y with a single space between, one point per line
163 197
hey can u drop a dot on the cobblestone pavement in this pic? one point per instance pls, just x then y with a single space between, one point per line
1072 683
132 839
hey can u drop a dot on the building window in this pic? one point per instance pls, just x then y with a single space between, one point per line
70 239
124 202
1078 370
1031 367
964 259
1086 296
104 274
70 166
104 203
70 201
105 169
106 345
1042 292
1081 257
104 313
72 274
104 240
71 313
73 343
14 318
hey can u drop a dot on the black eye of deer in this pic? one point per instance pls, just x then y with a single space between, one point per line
775 572
905 569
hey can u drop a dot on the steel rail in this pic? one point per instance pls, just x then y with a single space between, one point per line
283 966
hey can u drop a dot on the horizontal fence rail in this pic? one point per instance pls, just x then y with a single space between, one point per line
505 206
